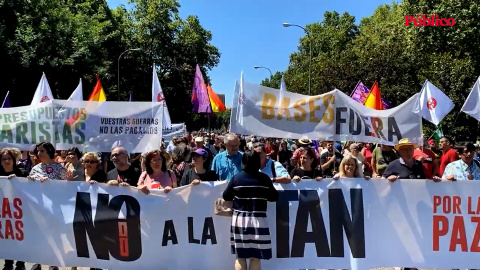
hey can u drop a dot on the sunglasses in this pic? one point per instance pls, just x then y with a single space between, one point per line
88 161
116 155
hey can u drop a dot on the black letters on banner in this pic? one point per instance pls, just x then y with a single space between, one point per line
209 232
108 234
309 207
169 233
340 120
191 236
340 220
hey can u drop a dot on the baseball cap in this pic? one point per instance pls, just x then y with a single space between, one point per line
201 152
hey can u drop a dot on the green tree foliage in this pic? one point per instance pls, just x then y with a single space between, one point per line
72 39
400 58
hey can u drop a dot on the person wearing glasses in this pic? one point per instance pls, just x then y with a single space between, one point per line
308 166
124 174
465 168
91 162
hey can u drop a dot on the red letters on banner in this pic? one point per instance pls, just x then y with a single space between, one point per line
449 222
11 224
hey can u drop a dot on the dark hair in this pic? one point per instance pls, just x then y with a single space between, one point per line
250 162
206 162
262 145
468 147
450 140
12 154
149 157
48 147
311 153
76 151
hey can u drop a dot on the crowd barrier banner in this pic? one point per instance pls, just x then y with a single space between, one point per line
88 125
352 223
332 116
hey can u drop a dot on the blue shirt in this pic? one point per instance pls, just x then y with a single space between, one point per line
280 171
226 166
460 170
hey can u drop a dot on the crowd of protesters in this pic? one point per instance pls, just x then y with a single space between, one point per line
201 156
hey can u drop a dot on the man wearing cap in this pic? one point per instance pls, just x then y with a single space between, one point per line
465 168
228 163
405 167
199 143
303 144
273 169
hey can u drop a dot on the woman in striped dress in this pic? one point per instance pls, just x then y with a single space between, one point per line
250 191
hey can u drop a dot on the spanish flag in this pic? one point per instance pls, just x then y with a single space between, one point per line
97 95
217 104
374 101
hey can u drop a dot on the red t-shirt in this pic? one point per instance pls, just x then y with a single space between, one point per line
446 158
427 163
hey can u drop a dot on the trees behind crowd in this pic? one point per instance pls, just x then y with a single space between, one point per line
71 39
399 57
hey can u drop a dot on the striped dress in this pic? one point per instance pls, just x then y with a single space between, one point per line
249 233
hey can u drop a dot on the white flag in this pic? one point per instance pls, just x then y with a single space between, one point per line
472 103
157 96
43 92
77 93
283 89
434 104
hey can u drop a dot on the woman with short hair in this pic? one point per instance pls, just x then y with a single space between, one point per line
92 172
48 168
200 171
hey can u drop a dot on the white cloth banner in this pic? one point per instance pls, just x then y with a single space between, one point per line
352 223
88 125
331 116
472 103
173 130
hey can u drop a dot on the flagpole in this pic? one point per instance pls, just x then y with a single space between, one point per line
351 94
369 92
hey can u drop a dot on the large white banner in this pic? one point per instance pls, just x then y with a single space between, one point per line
352 223
331 116
88 125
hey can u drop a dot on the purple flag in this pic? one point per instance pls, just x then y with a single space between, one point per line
360 94
6 101
200 99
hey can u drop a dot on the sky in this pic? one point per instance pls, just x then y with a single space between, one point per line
250 33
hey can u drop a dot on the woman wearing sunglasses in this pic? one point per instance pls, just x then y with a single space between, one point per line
308 167
93 174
